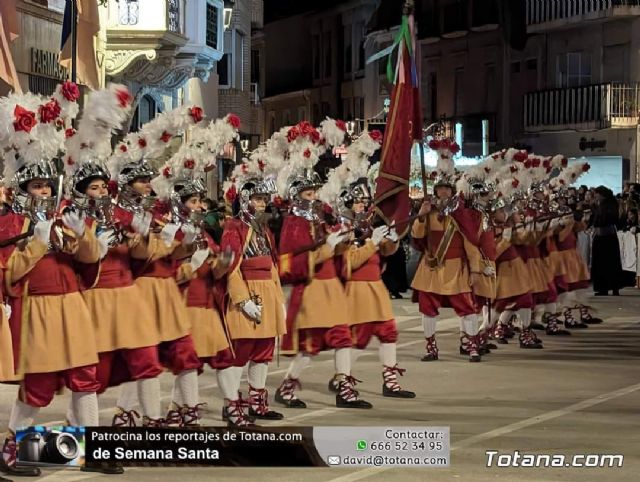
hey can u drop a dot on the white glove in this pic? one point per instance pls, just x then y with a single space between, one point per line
489 271
7 310
198 258
507 233
42 231
190 233
378 234
141 223
633 230
393 234
104 239
540 227
168 233
252 310
74 222
334 239
528 219
554 223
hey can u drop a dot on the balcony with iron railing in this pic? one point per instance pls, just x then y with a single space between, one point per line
555 14
595 106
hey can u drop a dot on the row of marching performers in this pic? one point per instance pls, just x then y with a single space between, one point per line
499 246
98 293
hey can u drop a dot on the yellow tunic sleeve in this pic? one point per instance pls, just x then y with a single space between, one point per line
473 255
359 256
181 251
419 229
502 246
184 273
22 261
88 248
322 254
153 248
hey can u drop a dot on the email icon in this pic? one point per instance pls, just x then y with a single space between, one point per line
333 460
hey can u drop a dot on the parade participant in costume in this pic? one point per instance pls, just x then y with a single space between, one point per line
153 260
254 313
368 301
513 290
317 316
7 369
126 334
41 272
576 270
199 275
451 264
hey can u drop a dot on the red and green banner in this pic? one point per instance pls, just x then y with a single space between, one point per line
404 127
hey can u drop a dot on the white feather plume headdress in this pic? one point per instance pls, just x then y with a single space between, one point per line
198 155
153 138
104 112
33 127
355 166
569 175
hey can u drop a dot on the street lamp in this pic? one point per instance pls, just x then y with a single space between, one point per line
228 13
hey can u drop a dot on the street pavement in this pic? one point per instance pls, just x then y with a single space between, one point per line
579 395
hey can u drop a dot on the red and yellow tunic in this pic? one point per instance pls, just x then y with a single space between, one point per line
318 297
54 319
367 297
527 245
513 275
576 270
121 315
203 306
252 277
487 285
461 258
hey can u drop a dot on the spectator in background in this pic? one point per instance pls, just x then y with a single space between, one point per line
606 267
212 221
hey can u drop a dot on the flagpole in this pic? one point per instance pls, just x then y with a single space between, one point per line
74 41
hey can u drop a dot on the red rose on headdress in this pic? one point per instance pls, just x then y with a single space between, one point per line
124 97
433 144
535 162
244 169
231 193
307 153
513 169
189 164
293 133
565 161
70 161
70 91
166 172
261 164
527 163
142 143
454 148
546 163
234 120
562 182
515 183
278 201
376 135
340 124
124 148
25 120
327 209
487 170
49 111
196 113
586 167
314 135
70 132
305 128
520 156
112 187
165 137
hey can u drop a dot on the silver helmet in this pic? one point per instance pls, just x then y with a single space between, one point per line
128 197
86 172
180 189
307 179
254 186
37 208
357 191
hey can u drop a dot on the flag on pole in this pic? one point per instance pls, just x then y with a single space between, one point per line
87 27
9 31
404 127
